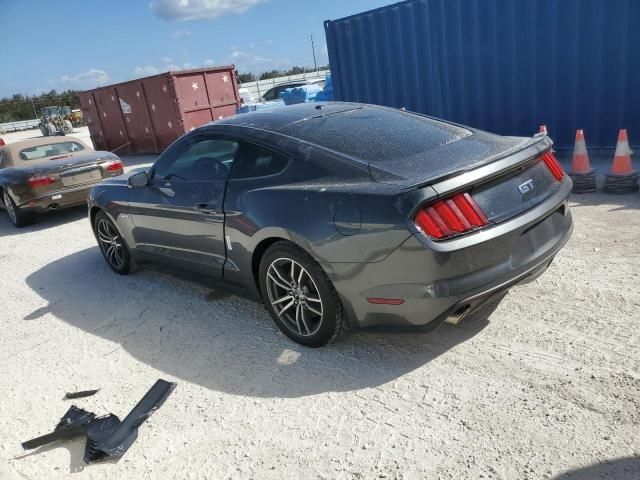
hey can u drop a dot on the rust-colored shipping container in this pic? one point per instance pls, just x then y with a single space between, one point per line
147 114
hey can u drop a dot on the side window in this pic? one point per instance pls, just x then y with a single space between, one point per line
270 95
197 158
253 161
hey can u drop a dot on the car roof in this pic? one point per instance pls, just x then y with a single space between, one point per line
13 149
302 81
277 118
36 142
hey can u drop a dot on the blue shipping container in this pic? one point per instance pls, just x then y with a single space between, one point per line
506 66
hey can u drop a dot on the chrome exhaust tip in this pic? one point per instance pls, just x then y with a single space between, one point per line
456 317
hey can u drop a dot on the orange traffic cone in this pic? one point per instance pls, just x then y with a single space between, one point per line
622 159
580 155
622 178
583 176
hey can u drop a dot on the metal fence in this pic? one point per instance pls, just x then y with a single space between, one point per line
258 88
19 125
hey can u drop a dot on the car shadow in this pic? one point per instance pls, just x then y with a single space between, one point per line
222 342
619 468
43 221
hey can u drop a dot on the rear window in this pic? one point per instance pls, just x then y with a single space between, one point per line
50 150
376 135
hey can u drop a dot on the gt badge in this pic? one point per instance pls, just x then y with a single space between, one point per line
525 187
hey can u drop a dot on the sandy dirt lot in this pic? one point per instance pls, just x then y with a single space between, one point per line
547 387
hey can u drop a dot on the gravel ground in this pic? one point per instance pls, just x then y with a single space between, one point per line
548 386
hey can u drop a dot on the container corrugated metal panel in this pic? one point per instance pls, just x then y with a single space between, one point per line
500 65
92 119
148 114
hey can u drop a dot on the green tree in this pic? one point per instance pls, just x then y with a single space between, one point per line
21 107
246 77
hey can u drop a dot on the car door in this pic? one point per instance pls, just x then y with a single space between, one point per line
255 168
178 218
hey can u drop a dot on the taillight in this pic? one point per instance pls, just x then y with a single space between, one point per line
40 181
115 166
451 216
553 164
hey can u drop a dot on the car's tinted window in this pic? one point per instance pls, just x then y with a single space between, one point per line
197 159
274 93
253 161
49 150
270 95
376 134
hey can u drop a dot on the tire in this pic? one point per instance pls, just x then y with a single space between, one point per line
52 129
44 130
18 217
112 245
312 289
68 127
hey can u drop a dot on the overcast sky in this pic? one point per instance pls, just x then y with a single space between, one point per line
82 44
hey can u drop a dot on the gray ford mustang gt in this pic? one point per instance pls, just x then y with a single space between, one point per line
342 214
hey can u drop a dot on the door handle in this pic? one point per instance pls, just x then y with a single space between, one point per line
167 191
205 207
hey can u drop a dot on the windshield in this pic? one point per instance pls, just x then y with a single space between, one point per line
50 150
50 111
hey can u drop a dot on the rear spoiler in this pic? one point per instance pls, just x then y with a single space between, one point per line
502 163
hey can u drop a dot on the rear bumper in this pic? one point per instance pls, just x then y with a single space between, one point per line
436 281
64 198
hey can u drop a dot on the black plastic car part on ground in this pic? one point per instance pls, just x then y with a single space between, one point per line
367 215
107 436
80 394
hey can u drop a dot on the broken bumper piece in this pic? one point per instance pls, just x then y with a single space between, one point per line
107 436
71 425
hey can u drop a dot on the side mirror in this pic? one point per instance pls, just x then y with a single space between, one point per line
139 180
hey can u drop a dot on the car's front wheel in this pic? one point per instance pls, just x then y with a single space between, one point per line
299 296
111 244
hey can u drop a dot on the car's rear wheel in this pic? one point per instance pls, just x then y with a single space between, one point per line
111 244
17 216
299 296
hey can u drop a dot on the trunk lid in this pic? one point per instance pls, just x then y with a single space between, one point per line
516 192
71 171
503 185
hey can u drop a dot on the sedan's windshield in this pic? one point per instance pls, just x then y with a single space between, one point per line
49 150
